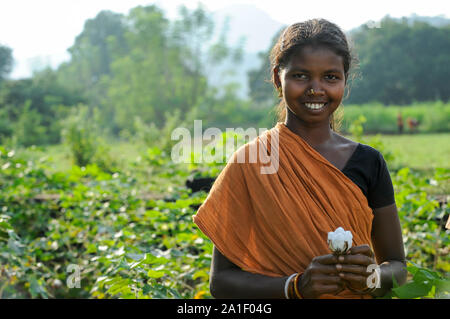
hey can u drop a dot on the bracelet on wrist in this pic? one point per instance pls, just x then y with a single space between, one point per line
298 295
288 287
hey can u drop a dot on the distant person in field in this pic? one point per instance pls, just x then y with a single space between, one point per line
270 230
412 124
400 123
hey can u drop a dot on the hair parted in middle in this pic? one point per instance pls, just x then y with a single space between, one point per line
316 33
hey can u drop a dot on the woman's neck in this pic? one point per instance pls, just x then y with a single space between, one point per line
316 135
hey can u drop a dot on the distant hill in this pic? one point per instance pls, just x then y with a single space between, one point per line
257 28
254 24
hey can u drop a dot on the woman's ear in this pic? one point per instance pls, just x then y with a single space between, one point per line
276 77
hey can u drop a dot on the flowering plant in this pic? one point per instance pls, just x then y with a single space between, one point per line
340 241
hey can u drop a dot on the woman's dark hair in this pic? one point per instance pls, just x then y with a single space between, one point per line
317 33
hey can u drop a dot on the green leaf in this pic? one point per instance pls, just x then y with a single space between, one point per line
151 259
412 290
155 274
200 274
36 289
147 289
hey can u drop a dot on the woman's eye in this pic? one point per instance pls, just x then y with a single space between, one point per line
299 76
332 77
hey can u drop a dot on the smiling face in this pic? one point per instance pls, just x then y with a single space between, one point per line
317 68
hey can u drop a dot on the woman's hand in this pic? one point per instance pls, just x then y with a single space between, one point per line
321 277
352 267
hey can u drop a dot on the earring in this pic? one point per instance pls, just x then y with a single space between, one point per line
311 91
280 93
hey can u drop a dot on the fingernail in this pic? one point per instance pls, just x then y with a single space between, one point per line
338 267
341 274
341 259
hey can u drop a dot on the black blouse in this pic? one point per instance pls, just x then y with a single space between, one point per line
367 169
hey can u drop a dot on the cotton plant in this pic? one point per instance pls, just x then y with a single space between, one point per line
340 241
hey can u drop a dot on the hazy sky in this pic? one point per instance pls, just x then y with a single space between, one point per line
41 31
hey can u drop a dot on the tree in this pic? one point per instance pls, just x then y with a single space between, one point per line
39 101
402 62
166 66
6 62
101 40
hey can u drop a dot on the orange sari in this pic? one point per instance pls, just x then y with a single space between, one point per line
275 224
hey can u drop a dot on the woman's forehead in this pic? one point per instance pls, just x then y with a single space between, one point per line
310 57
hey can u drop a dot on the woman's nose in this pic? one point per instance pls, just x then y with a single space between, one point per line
314 90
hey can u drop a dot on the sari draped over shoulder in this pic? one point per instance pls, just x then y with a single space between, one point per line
275 223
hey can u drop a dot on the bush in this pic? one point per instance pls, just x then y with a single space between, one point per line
27 130
83 136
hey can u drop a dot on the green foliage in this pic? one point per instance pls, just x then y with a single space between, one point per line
422 218
125 66
28 130
424 284
80 134
126 245
83 136
432 117
161 138
101 41
6 62
164 69
32 109
392 77
260 86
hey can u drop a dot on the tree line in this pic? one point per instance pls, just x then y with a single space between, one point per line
144 69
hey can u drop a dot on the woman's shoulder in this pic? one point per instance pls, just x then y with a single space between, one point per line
361 153
345 144
360 147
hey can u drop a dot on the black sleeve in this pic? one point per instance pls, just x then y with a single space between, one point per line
381 190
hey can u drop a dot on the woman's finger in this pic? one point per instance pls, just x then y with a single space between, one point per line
362 249
327 269
356 259
356 281
326 279
326 259
354 269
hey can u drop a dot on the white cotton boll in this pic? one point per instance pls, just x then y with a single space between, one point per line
340 241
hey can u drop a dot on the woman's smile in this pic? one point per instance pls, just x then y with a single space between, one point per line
315 107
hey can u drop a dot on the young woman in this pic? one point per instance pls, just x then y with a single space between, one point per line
270 230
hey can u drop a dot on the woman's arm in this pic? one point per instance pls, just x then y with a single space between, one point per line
228 281
388 247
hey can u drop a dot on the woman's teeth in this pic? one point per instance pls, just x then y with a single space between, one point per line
314 106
